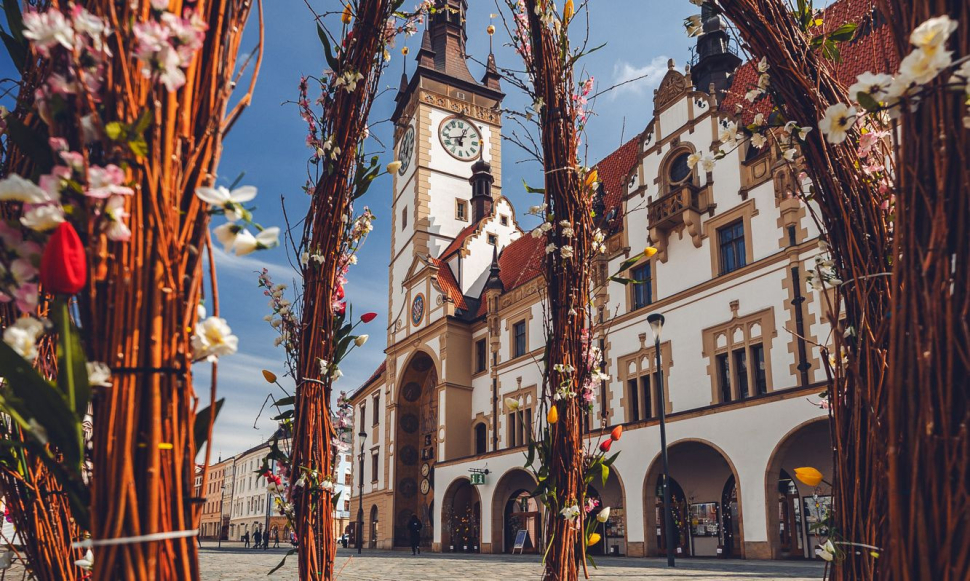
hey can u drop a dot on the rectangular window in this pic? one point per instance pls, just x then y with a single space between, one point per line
504 220
481 355
492 239
648 411
634 403
741 369
643 288
730 240
377 415
363 416
461 210
518 332
373 467
724 376
760 377
527 426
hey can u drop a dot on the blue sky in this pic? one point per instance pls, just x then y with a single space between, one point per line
267 144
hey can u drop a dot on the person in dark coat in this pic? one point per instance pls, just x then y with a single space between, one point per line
245 539
257 538
414 530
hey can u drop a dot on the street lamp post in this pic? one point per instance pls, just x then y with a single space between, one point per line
656 321
360 494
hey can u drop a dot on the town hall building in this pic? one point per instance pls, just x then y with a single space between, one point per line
741 361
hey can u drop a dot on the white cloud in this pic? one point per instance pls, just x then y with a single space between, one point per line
625 72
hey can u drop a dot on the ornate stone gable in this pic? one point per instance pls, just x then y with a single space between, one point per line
673 86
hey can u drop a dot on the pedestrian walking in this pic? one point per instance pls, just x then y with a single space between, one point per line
245 539
276 538
414 530
258 538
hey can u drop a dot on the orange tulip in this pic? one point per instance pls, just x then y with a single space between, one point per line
592 177
269 376
347 15
616 433
808 475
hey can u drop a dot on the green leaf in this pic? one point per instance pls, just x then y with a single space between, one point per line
336 497
283 562
15 20
284 401
32 142
605 472
609 461
625 281
532 190
138 146
626 264
867 101
201 427
115 130
143 122
17 49
72 370
34 398
843 33
531 455
327 50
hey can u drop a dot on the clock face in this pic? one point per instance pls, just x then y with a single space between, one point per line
417 310
405 150
425 469
425 486
460 138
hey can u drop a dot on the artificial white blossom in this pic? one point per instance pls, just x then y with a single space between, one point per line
758 141
43 218
874 85
836 122
570 512
394 166
246 243
22 337
728 135
230 201
213 338
87 563
99 374
14 188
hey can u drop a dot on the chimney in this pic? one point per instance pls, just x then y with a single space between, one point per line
481 182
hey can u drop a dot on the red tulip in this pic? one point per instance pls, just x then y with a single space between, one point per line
605 446
616 433
64 266
368 317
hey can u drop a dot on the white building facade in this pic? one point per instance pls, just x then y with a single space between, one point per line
741 365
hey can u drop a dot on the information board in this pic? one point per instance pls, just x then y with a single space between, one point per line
520 538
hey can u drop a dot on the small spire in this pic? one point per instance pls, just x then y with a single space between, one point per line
426 54
494 281
492 78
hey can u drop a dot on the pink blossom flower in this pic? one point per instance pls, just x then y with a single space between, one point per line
47 30
107 181
25 297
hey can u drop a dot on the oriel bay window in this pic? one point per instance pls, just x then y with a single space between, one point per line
740 366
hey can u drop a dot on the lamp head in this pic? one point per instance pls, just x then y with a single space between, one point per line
656 321
363 435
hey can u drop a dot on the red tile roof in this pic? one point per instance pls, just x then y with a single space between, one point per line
519 262
871 51
613 170
459 240
448 283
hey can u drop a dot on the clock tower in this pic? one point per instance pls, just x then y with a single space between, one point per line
445 121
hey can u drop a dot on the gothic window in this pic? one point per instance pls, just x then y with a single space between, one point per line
758 369
740 365
724 377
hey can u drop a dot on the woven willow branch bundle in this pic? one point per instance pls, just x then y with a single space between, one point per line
140 302
900 411
344 120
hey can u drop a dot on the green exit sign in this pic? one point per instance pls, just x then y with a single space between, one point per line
477 478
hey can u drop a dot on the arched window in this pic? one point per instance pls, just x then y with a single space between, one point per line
481 438
678 169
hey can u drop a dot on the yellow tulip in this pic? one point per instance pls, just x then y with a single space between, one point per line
269 376
346 16
808 475
567 11
592 177
593 539
553 415
649 251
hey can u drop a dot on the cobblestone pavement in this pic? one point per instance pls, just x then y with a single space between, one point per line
233 563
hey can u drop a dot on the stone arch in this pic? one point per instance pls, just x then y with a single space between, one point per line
614 531
807 444
664 180
415 447
461 517
701 469
373 525
517 483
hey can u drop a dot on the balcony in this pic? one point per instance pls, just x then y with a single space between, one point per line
681 208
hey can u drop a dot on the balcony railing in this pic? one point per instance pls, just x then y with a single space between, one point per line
669 210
